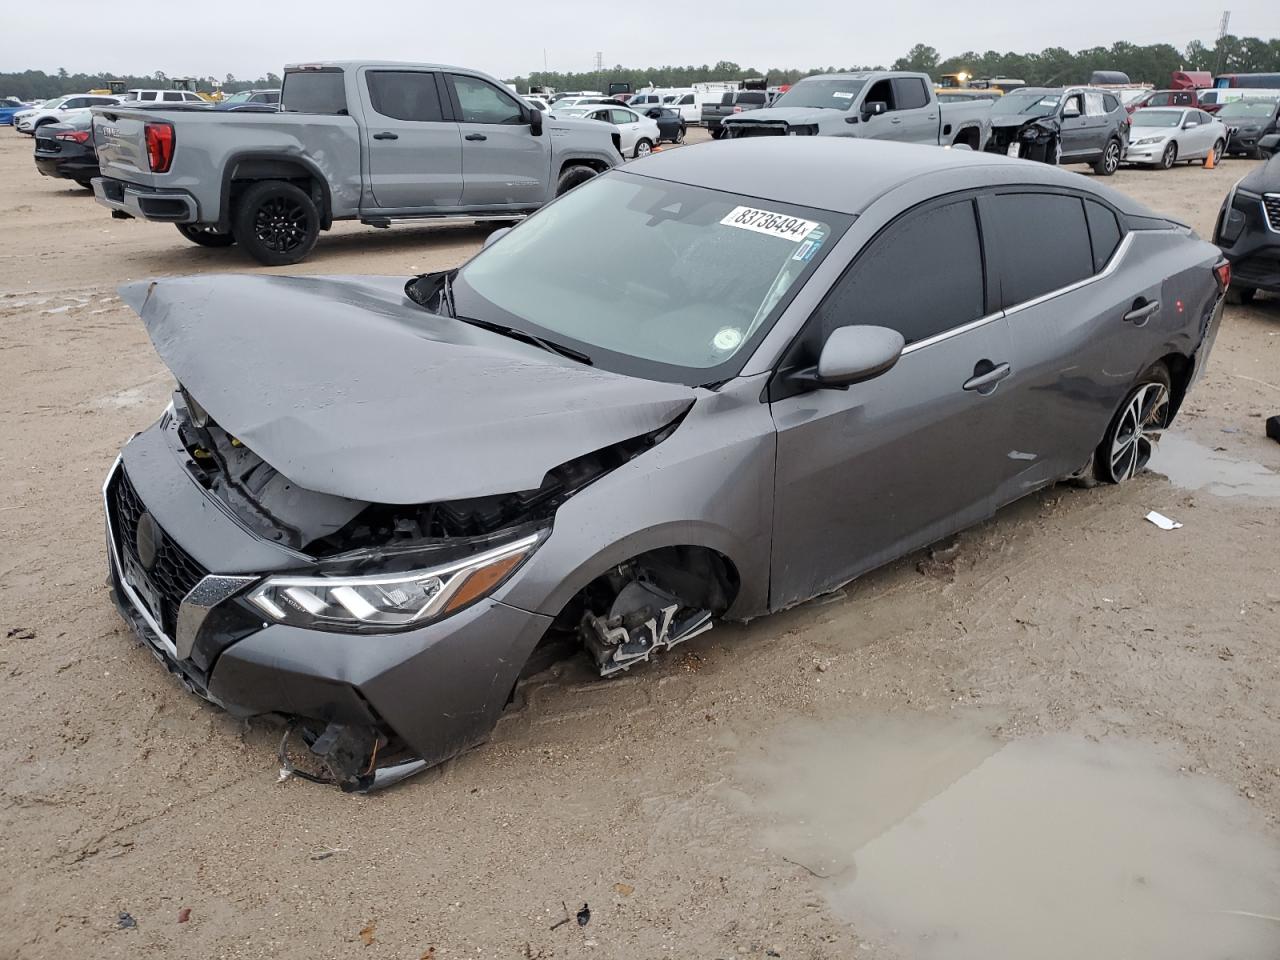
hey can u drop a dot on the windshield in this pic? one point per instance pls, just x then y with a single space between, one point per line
1026 103
240 97
1242 108
833 93
719 268
1157 118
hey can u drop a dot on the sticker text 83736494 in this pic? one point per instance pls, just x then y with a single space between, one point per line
770 223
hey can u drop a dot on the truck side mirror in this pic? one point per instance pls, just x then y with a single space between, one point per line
873 108
534 118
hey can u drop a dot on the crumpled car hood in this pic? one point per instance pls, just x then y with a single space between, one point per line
347 387
795 115
1021 121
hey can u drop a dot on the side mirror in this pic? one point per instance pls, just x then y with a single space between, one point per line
535 122
1190 123
854 354
873 108
1070 113
496 236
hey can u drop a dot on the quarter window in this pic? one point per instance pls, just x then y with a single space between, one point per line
482 102
884 288
405 95
1043 242
1104 232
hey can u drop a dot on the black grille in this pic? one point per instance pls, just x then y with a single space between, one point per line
174 573
756 129
1272 204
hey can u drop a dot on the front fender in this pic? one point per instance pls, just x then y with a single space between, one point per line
709 484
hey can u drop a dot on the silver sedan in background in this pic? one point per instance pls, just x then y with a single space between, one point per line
390 501
1163 136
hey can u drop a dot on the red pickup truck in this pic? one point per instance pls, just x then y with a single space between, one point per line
1174 98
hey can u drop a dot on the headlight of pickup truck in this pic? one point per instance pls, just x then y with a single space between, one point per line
388 602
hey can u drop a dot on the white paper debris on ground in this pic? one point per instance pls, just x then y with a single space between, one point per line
1163 522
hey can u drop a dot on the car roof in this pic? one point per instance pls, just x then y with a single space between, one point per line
842 174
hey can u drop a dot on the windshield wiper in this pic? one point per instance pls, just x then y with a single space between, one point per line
516 334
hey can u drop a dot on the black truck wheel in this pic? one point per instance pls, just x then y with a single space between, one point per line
573 176
276 222
204 238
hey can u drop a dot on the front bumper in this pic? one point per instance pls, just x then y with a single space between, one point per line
146 203
1248 233
1150 153
1243 142
428 694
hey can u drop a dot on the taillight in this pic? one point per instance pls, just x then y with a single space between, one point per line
75 136
159 146
1222 273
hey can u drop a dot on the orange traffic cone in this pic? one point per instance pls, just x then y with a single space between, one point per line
1208 160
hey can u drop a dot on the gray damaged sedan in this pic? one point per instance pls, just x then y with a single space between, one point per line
372 507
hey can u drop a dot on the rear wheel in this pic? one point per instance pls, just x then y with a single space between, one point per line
644 147
572 177
1169 157
85 184
204 238
1135 430
276 222
1218 149
680 135
1109 162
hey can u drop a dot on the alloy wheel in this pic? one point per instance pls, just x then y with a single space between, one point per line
1169 157
280 224
1112 158
1139 430
643 149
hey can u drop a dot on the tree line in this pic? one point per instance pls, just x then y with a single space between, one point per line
1055 65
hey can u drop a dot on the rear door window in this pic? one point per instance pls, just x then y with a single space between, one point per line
1093 104
883 286
172 97
405 95
910 93
315 91
623 116
1043 243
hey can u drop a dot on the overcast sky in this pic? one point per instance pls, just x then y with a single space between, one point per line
507 38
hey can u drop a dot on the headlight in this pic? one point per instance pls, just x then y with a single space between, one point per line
389 601
1146 141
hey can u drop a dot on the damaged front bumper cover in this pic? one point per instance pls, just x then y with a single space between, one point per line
372 709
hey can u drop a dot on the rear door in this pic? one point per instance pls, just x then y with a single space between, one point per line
503 163
415 153
915 114
1077 319
867 474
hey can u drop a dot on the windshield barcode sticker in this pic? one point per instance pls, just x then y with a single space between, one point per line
770 223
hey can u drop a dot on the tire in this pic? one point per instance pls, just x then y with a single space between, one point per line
718 133
1169 157
204 238
276 222
680 135
574 176
85 184
1241 296
1135 429
1219 149
644 147
1109 162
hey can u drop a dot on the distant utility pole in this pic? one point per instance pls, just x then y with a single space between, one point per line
599 61
1222 32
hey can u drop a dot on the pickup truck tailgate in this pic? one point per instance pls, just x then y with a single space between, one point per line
121 142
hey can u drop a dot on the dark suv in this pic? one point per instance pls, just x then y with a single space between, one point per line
1248 231
1247 122
1061 125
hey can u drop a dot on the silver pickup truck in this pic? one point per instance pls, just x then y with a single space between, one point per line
875 104
367 141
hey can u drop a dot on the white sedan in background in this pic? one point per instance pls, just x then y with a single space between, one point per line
639 134
1161 136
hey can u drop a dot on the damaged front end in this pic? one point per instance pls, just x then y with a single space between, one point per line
1039 140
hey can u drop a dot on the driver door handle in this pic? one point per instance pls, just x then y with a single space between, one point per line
985 382
386 136
476 136
1142 312
895 119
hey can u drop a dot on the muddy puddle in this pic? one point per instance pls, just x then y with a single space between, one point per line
935 840
1194 466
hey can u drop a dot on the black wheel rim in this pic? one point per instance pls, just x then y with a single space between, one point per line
280 224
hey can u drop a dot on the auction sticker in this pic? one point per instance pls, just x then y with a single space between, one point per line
769 223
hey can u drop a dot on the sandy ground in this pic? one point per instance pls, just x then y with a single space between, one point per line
1067 615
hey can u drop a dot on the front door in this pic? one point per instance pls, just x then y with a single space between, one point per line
1074 126
503 163
415 154
867 474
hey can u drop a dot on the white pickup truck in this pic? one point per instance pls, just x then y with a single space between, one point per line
873 104
367 141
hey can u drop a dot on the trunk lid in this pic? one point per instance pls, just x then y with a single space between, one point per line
121 142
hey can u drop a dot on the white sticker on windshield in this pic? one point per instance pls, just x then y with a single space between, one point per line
770 223
842 94
727 338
